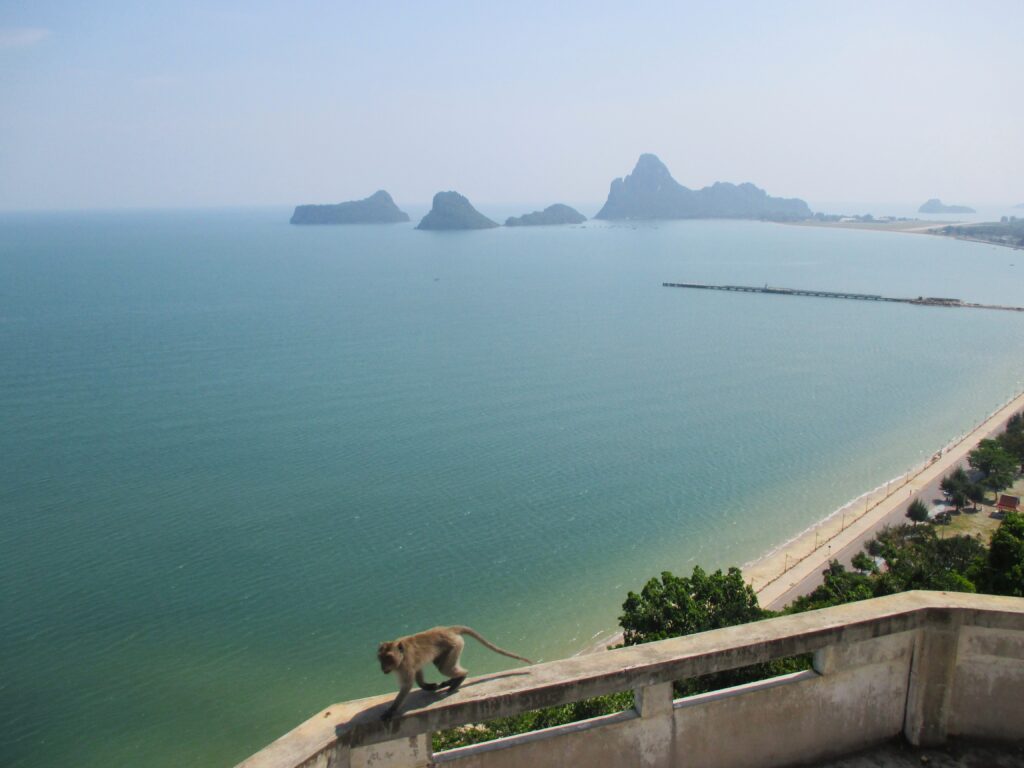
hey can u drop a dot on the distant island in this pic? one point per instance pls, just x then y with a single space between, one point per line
1019 205
378 208
453 211
650 192
937 206
553 214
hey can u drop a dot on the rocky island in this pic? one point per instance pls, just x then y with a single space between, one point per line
378 208
937 206
650 192
553 214
451 210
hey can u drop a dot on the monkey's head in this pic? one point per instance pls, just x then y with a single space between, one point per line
390 656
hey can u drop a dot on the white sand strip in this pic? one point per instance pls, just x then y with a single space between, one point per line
774 574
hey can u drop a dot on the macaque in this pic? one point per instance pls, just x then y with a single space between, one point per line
442 646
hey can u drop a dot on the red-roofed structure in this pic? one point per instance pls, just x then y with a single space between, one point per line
1008 503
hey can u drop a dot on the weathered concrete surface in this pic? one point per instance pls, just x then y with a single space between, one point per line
988 686
413 752
935 652
956 755
857 699
884 666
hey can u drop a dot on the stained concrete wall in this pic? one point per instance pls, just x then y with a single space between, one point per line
922 664
855 697
987 699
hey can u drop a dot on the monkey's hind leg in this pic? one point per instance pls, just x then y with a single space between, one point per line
453 683
448 665
424 684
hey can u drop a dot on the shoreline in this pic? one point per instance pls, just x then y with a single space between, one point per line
773 574
913 226
908 227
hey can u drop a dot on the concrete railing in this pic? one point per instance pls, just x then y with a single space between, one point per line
926 665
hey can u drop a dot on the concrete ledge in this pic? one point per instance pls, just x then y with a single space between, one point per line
357 723
700 699
520 739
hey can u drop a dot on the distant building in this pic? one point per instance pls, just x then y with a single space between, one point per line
1008 503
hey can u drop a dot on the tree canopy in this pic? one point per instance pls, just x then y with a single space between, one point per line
839 586
959 488
674 605
917 511
997 464
1004 574
1012 439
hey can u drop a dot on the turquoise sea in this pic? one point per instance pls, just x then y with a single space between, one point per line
236 454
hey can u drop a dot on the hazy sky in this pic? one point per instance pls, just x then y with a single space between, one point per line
108 104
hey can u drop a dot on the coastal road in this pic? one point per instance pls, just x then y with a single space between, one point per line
928 493
777 587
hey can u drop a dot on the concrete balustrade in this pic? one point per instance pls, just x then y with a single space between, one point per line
927 665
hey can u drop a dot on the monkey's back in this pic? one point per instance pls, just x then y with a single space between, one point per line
431 643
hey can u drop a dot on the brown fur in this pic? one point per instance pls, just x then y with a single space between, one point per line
442 646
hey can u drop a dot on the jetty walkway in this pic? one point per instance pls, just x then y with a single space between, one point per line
926 301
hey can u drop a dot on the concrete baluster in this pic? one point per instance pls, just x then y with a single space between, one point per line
654 704
931 680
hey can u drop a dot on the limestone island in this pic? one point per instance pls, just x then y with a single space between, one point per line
553 214
453 211
650 192
378 208
937 206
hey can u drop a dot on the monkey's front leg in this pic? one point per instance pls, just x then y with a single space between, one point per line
391 711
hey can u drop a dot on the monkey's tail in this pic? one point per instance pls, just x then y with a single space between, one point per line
479 638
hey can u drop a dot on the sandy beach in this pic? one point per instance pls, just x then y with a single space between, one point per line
906 226
917 226
795 567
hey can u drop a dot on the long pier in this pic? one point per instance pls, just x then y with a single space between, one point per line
925 301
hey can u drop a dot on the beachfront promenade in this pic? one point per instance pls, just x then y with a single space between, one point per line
921 666
795 568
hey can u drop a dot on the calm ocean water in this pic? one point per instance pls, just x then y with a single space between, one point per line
237 454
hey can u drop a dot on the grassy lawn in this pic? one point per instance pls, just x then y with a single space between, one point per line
983 522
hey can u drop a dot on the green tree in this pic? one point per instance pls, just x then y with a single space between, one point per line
1004 572
1013 443
1012 439
917 511
955 486
975 493
675 606
838 586
997 464
916 558
864 563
